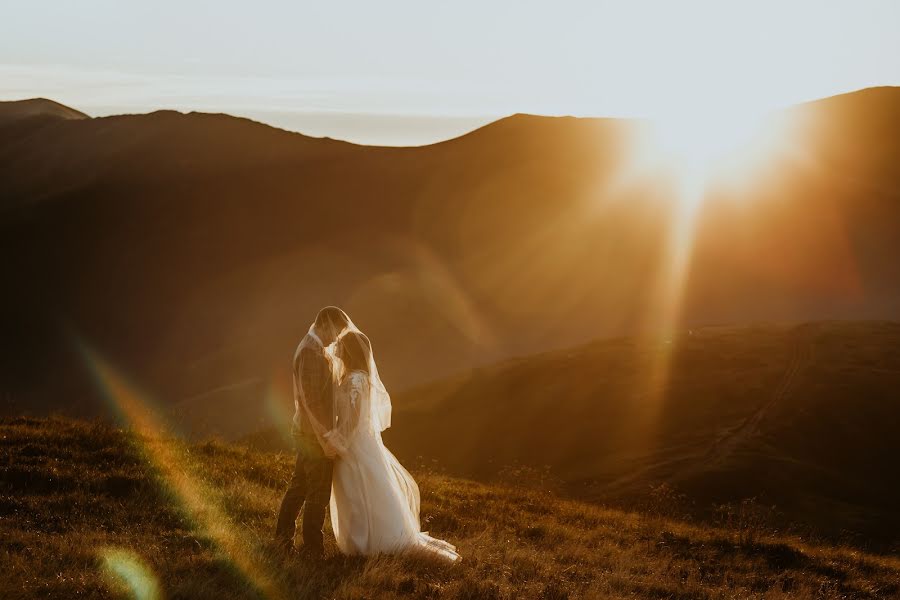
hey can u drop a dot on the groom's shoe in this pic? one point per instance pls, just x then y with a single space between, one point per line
310 553
284 547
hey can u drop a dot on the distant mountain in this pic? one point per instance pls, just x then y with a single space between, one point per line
192 250
800 417
37 107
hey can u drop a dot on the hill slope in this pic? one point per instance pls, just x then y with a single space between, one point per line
92 512
799 416
196 248
37 107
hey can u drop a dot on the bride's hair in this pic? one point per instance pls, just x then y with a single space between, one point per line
354 349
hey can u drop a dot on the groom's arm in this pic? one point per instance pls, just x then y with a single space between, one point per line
315 385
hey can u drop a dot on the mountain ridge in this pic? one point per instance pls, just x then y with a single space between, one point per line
45 104
12 110
195 255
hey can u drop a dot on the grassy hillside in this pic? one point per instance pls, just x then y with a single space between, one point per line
802 417
92 512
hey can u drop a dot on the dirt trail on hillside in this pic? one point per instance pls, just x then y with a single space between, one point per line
801 356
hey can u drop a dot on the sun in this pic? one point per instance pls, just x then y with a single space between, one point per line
711 145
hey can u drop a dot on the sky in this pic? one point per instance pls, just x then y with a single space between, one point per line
411 72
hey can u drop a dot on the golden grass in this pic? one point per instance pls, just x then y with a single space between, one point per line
83 513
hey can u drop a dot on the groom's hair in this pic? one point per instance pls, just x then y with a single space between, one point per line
333 318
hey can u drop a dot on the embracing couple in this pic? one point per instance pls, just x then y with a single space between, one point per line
341 408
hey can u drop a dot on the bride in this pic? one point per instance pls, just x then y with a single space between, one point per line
374 500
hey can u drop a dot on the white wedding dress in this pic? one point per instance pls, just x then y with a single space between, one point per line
374 500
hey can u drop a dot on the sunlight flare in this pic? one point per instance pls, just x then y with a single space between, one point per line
278 402
126 571
199 501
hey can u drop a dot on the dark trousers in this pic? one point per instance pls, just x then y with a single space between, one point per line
310 490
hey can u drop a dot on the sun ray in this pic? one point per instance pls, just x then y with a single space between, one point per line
197 499
697 152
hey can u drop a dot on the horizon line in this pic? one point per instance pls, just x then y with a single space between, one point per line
473 121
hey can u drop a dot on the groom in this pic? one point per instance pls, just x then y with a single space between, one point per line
310 485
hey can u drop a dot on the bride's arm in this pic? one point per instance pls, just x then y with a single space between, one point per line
348 414
359 394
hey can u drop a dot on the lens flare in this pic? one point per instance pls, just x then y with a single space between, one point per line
125 571
278 402
200 502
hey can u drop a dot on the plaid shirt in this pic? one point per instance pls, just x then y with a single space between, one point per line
312 379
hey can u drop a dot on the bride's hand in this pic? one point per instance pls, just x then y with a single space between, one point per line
332 448
329 451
